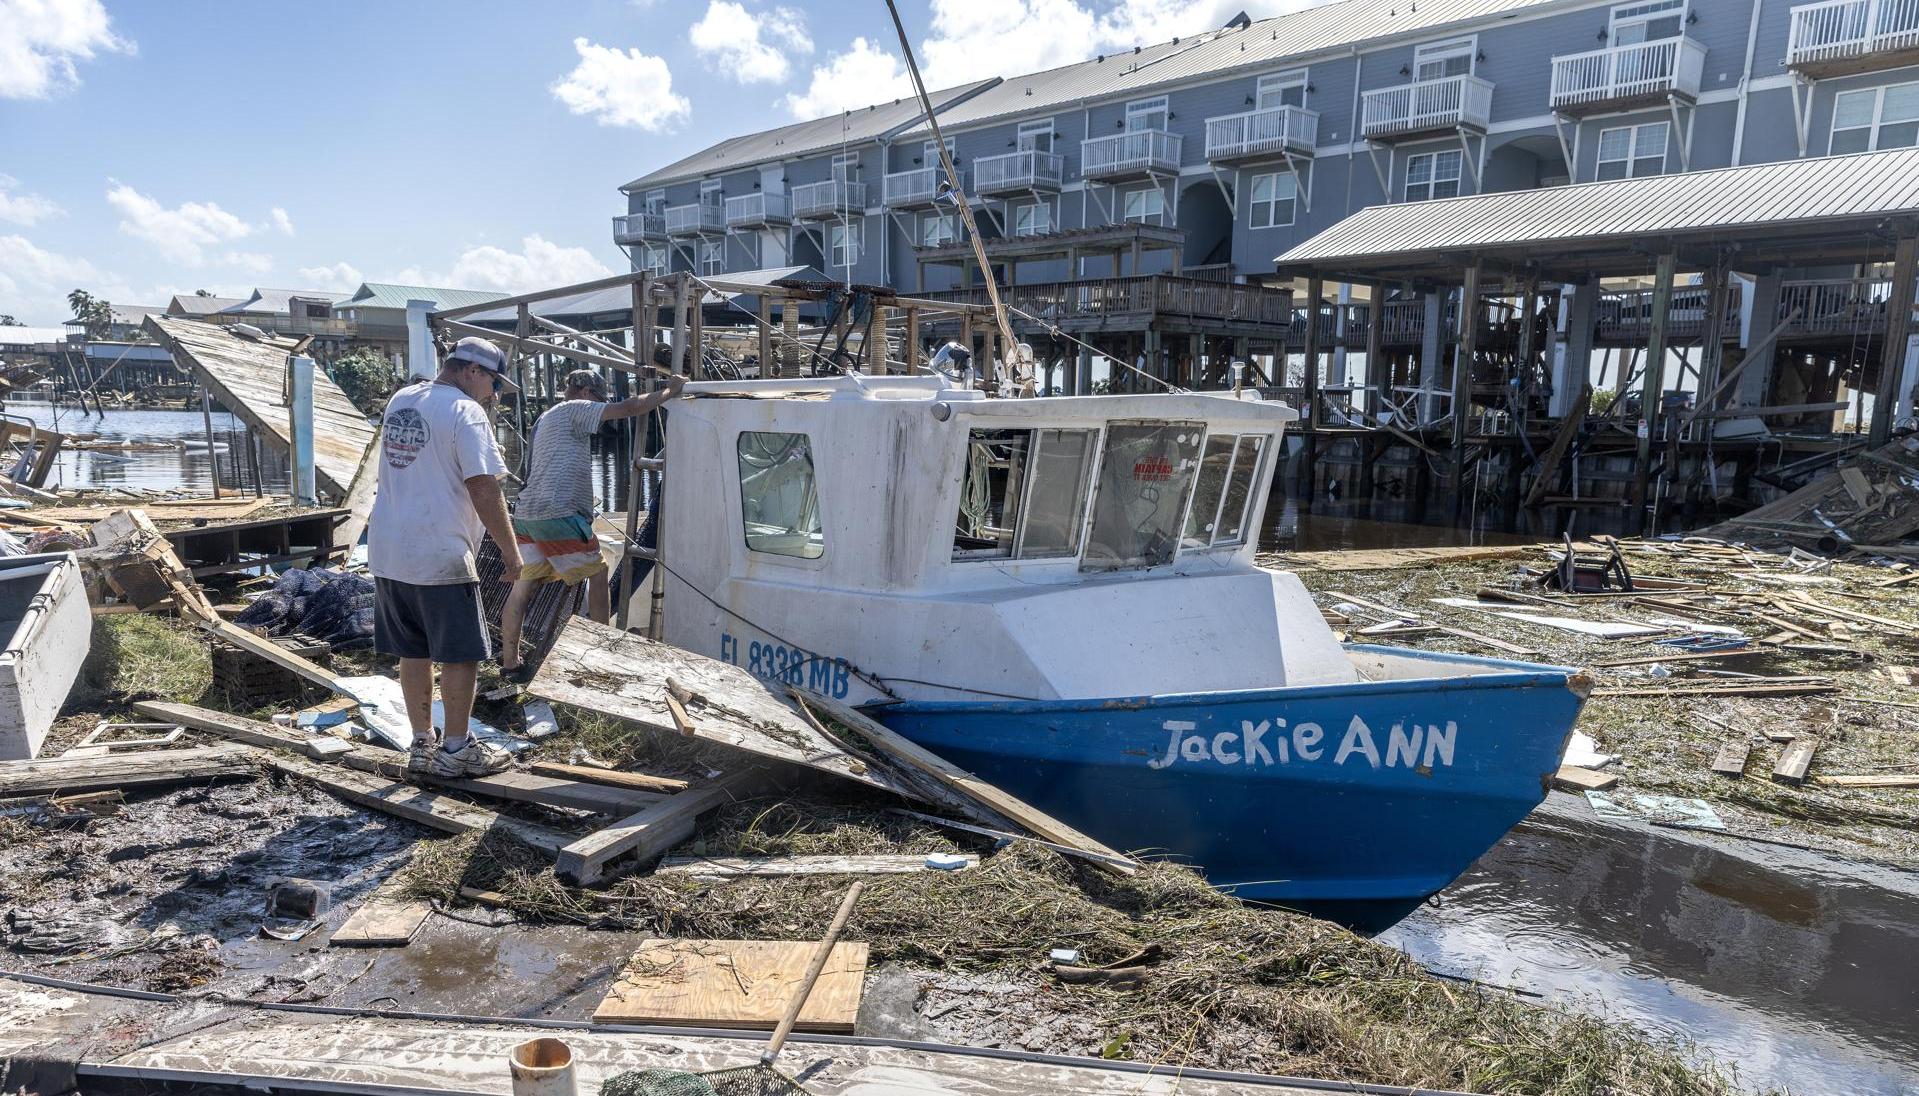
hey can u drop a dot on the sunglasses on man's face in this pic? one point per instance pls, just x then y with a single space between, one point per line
499 382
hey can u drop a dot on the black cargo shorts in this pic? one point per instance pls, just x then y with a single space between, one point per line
442 622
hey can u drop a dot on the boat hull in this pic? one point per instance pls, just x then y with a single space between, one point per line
1354 800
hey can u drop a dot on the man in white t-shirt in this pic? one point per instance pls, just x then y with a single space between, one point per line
439 491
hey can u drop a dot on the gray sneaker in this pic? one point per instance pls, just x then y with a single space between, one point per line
470 760
419 757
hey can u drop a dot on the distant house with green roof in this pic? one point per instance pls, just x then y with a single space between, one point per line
377 310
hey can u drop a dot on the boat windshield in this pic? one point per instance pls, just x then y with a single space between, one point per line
1146 476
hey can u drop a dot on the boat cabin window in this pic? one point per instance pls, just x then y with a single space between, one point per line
779 500
1223 495
1145 479
1023 495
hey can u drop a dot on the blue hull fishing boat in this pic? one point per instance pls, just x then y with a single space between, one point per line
1060 594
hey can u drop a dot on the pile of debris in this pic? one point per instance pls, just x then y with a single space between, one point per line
1866 507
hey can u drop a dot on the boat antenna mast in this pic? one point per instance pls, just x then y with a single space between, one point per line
958 194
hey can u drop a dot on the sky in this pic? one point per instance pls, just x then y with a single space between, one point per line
154 147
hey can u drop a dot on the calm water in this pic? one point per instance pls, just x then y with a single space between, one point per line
190 468
1802 971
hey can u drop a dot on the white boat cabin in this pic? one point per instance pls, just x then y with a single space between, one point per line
854 532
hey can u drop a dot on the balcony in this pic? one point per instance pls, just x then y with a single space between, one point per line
757 210
916 188
1130 155
1017 172
1625 316
1275 131
1102 303
828 200
1624 76
639 227
1426 107
1834 308
1838 37
694 219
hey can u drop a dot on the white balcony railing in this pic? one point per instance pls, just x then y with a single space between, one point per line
827 199
1837 30
1427 105
1134 151
1257 132
758 208
638 226
1667 66
916 187
1025 170
693 219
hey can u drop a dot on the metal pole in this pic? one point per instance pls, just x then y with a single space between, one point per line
213 455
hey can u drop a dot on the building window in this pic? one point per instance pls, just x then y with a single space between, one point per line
1632 151
712 256
1033 220
1875 118
938 229
930 153
653 260
1145 206
779 499
1648 21
846 167
1432 175
1438 60
655 201
1036 136
1147 114
711 195
1273 198
1280 89
843 245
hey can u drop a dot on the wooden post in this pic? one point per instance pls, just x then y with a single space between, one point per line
1377 382
876 349
790 362
1309 422
213 455
766 335
1652 386
966 338
912 348
696 333
1462 402
1522 401
1892 354
681 292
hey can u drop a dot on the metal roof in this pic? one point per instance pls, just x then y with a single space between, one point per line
134 314
1846 192
11 335
853 127
192 304
1266 44
388 295
274 301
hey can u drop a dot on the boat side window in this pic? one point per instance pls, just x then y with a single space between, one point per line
1145 479
1223 496
1056 496
1023 494
779 498
990 493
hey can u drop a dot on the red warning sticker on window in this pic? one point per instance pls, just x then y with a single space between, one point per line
1153 469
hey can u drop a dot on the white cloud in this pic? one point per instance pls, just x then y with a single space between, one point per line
34 281
864 73
41 39
621 88
24 209
281 221
342 276
539 264
750 47
182 233
252 262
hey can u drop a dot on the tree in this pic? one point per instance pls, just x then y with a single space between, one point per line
367 378
95 315
8 321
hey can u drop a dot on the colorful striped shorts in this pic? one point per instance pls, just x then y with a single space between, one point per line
558 548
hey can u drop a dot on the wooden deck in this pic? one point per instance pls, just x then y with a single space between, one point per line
250 379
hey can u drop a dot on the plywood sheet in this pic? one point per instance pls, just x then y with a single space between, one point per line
385 919
250 378
734 984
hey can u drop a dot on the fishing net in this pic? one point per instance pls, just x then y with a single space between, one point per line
756 1080
328 605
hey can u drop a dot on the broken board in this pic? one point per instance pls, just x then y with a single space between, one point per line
735 984
734 867
614 673
1573 778
134 770
1731 759
385 920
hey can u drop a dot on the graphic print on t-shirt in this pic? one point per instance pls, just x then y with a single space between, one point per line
406 435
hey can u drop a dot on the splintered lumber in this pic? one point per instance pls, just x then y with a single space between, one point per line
249 378
997 803
1794 759
735 984
1006 836
593 774
732 867
516 787
1676 656
386 919
241 729
1576 778
428 808
101 772
358 502
1731 759
1904 780
616 673
234 509
1388 559
652 831
1733 687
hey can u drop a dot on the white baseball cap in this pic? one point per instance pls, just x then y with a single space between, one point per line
485 354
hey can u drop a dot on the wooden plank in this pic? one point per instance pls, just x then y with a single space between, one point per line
514 787
616 673
416 804
358 502
731 867
1856 485
652 831
593 774
241 729
1731 759
997 803
735 984
1795 759
1574 778
165 510
385 919
134 770
272 652
1886 780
